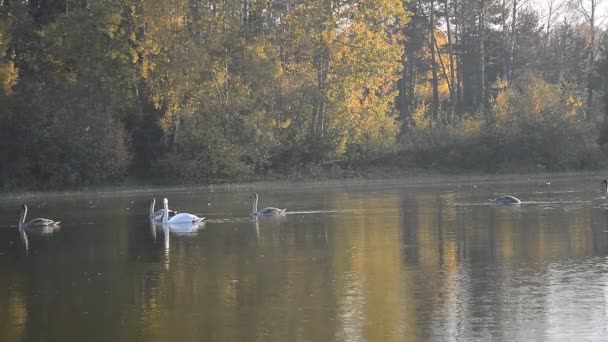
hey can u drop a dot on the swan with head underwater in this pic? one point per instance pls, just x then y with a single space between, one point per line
181 218
157 216
268 211
35 223
505 200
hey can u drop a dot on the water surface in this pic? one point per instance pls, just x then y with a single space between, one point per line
380 261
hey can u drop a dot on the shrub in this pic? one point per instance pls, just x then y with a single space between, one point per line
532 125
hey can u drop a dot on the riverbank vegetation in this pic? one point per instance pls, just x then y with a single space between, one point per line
190 91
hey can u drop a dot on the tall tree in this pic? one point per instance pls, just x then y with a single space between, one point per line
588 9
432 44
482 55
602 68
451 54
566 47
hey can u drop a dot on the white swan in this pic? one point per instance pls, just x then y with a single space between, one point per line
35 223
506 200
179 218
268 211
157 216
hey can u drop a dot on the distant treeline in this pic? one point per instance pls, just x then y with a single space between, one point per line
96 92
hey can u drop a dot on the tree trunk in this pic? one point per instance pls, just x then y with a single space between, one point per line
591 56
458 41
482 56
435 104
549 18
444 70
513 30
176 133
505 61
451 56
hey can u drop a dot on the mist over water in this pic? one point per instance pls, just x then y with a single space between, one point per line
379 261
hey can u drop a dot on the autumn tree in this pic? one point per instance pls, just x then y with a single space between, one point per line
589 12
602 70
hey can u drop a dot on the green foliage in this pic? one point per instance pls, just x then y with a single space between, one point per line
190 91
67 131
603 86
535 125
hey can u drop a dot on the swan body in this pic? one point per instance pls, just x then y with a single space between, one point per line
184 229
178 218
157 216
268 211
35 223
506 200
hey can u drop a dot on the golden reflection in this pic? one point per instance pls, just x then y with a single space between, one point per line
13 312
367 265
427 217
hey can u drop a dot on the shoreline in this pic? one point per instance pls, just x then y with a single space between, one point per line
377 176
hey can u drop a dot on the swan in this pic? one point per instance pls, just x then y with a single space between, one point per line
268 211
506 200
178 218
157 216
35 223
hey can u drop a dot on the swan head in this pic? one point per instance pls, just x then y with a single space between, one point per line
23 207
254 195
165 201
605 182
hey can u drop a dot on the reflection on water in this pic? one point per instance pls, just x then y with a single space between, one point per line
366 262
35 231
24 239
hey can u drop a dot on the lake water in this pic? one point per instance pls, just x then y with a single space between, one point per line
406 260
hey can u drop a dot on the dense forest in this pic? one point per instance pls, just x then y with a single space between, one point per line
106 91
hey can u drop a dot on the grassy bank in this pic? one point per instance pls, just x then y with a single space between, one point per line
313 176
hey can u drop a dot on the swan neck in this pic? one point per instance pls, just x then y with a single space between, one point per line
255 204
22 217
166 211
152 207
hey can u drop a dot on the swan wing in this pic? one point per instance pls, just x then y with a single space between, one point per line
158 215
271 211
185 218
42 230
41 222
506 200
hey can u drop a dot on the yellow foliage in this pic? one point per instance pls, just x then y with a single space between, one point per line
424 89
286 123
470 126
134 56
420 118
9 75
500 105
531 97
572 107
